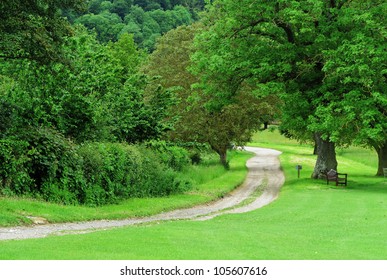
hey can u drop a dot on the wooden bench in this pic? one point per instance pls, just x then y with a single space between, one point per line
338 178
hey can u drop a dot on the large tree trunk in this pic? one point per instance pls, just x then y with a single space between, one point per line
382 158
326 157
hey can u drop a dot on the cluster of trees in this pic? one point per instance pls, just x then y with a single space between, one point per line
64 118
198 120
325 59
146 20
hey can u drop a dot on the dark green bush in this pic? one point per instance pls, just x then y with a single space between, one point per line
76 117
49 166
115 171
8 117
43 164
14 176
173 156
195 157
53 159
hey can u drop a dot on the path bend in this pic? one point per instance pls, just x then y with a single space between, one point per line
264 172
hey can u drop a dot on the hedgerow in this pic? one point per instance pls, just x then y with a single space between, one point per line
47 165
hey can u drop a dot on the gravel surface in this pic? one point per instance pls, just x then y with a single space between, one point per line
264 176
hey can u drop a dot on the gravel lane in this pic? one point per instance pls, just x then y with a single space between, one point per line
264 173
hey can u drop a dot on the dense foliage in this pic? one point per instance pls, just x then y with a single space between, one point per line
34 29
66 124
146 20
318 56
51 167
220 129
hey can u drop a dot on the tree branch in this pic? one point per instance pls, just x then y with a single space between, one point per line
4 56
338 4
288 30
251 24
285 26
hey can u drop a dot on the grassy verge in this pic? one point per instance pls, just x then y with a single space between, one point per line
310 220
209 179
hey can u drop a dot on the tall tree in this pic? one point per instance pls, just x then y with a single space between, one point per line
107 25
285 47
34 29
356 79
234 123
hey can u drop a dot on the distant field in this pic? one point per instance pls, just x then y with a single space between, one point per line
310 220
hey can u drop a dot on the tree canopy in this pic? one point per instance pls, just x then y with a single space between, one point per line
34 29
147 20
314 54
232 124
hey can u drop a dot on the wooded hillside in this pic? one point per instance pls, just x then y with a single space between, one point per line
147 20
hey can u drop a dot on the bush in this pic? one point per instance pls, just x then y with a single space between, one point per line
14 176
51 167
53 160
195 157
115 171
173 156
44 164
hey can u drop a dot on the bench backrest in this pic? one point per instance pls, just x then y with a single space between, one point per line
331 174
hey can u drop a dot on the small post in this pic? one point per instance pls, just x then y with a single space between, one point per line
298 167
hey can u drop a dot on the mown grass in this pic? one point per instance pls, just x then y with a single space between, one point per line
209 179
310 220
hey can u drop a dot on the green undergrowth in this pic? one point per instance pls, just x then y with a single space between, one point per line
209 181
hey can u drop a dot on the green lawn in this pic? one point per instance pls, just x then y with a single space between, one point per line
310 220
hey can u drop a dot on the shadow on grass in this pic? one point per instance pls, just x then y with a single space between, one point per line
379 186
238 168
356 184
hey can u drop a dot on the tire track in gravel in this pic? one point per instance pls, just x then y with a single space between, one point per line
264 173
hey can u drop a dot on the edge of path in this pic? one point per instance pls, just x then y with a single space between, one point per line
264 171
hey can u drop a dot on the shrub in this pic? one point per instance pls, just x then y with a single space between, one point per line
43 164
115 171
195 157
49 166
14 177
53 159
173 156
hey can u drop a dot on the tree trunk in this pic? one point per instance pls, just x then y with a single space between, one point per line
326 157
315 144
382 158
223 158
222 152
315 149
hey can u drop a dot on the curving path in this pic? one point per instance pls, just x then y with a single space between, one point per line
264 174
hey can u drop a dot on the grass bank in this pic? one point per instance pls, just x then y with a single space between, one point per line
209 179
310 220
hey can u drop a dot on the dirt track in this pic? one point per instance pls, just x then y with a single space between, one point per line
264 175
